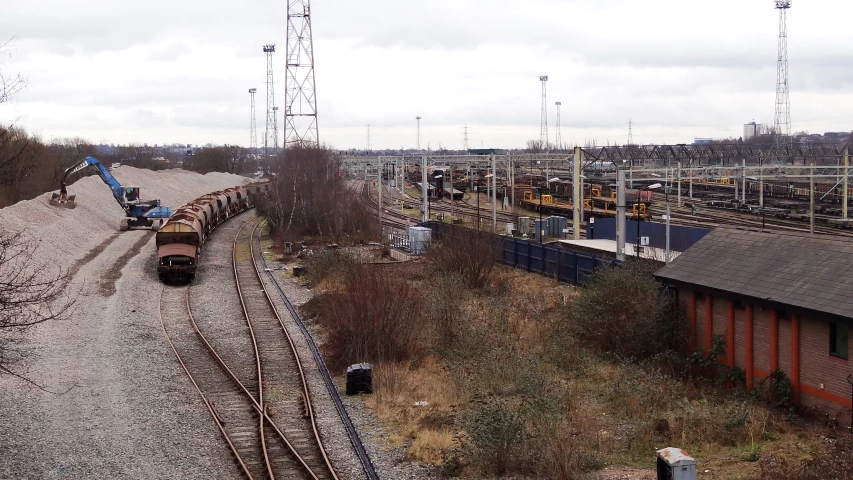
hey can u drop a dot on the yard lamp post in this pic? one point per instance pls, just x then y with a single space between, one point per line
477 191
541 230
438 194
666 190
487 177
650 187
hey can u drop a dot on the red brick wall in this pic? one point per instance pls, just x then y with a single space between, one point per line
817 367
785 344
761 341
740 337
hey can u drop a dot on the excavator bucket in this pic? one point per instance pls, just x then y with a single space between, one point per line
62 199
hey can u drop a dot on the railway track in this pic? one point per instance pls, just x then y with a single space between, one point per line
263 393
712 217
283 390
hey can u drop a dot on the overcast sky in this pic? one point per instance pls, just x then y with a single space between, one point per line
179 71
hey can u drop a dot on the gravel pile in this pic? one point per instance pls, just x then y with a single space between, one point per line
124 408
390 461
66 235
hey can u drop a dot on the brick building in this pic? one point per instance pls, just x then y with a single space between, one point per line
780 300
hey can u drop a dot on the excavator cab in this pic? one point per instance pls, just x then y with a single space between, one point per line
131 195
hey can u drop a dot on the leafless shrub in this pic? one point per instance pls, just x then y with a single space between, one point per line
468 253
31 292
370 317
10 83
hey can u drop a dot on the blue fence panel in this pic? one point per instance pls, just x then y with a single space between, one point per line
563 264
680 237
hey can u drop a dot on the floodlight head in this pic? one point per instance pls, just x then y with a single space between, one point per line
558 103
253 90
269 48
653 186
555 179
543 78
489 176
438 176
783 3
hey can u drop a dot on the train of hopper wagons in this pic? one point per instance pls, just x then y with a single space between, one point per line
180 239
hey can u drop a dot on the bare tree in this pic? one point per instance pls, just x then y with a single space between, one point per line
31 292
535 146
10 83
25 168
310 198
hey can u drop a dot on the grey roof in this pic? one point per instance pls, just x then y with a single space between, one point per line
813 272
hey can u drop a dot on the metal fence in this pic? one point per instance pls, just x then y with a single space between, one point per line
681 237
401 241
564 264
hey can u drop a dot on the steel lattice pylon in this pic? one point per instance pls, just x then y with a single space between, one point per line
543 129
782 117
300 97
270 137
253 127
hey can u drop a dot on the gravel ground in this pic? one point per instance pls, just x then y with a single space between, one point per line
390 461
130 411
216 305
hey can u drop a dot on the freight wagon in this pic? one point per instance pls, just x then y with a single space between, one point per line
180 239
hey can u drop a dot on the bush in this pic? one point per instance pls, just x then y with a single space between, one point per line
468 253
623 310
325 264
370 317
496 432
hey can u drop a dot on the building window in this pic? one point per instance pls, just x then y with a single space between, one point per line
838 340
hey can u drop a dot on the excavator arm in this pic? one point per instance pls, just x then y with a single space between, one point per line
64 200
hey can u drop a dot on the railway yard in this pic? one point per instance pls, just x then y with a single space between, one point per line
711 205
217 378
186 355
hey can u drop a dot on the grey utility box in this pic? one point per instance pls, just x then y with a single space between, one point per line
419 238
524 225
541 227
675 464
558 226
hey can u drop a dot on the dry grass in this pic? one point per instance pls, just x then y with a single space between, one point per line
399 395
510 389
429 446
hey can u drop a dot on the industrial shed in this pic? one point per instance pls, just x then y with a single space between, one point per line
781 300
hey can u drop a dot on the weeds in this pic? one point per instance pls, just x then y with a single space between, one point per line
466 253
496 431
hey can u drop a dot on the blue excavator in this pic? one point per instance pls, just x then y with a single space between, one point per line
147 214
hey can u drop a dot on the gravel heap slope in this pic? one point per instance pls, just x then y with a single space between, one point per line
67 235
124 408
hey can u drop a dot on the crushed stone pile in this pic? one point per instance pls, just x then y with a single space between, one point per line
66 235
